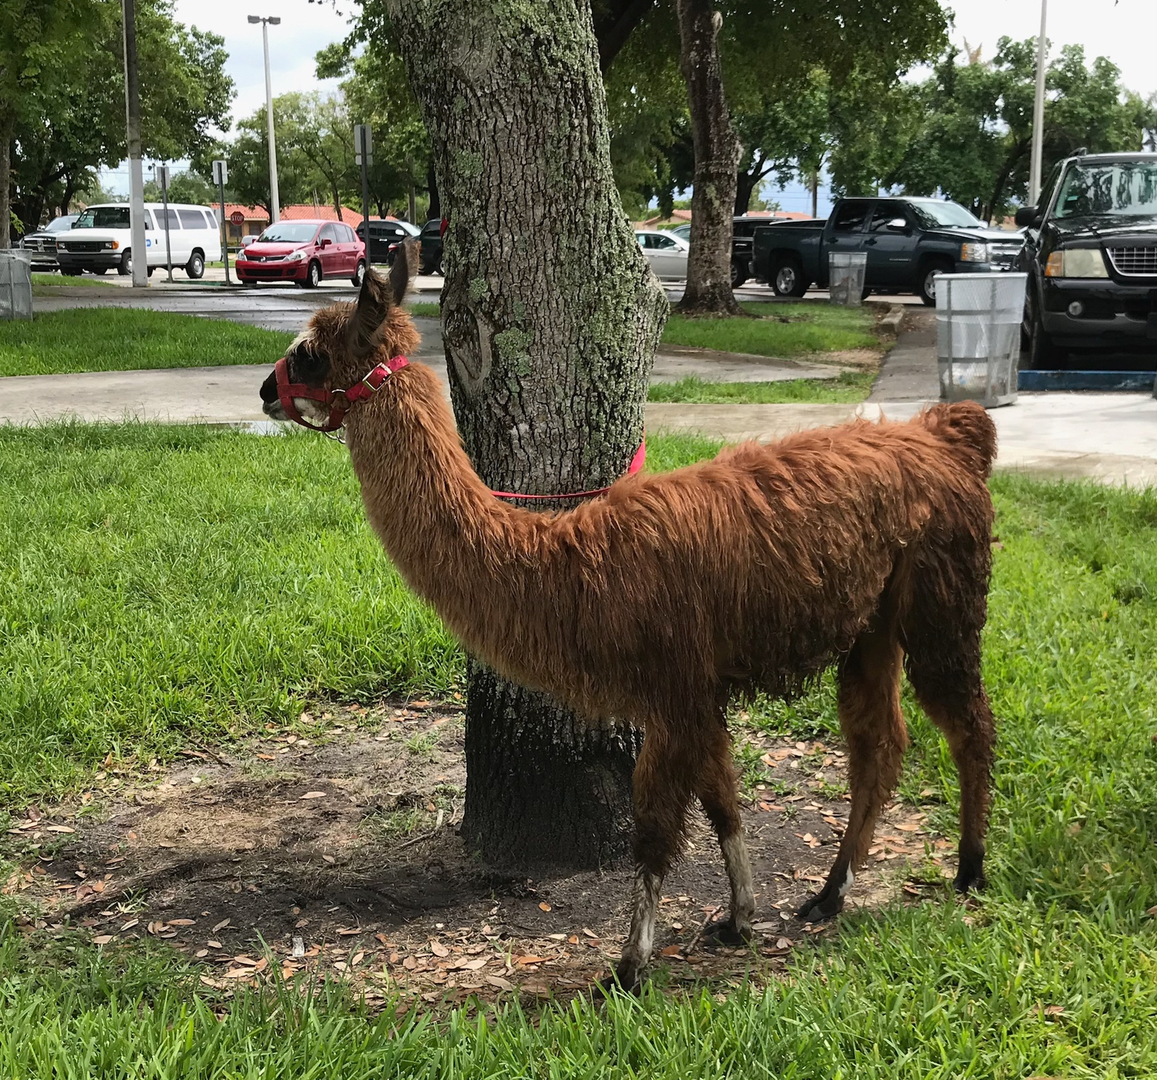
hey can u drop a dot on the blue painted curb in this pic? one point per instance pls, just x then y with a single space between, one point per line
1144 381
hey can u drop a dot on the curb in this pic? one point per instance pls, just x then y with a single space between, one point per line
894 320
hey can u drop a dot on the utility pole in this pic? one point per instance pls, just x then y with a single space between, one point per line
163 179
138 243
220 176
275 204
1038 111
364 156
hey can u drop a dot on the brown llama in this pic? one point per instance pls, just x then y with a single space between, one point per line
866 546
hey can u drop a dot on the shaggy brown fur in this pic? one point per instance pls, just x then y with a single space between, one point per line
865 546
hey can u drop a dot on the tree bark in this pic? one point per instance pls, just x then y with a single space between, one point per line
614 22
7 129
435 208
717 154
550 319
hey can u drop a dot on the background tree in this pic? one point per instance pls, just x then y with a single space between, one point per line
550 323
972 131
72 115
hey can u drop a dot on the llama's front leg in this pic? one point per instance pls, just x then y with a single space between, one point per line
716 789
661 793
641 939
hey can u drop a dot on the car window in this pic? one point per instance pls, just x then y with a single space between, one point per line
432 227
173 222
885 212
60 224
103 217
938 214
1126 188
328 232
191 219
350 236
665 242
851 216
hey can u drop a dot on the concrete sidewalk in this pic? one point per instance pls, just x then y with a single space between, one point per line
1106 437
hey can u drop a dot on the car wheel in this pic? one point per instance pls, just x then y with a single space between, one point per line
441 269
125 266
312 276
195 267
928 276
359 274
787 278
100 269
738 277
72 271
247 282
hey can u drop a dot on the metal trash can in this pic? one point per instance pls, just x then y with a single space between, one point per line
978 319
846 270
15 284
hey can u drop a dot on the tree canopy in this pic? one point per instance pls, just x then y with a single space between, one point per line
69 107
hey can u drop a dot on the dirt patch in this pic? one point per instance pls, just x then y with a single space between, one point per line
336 852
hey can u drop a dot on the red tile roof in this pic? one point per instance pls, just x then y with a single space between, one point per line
296 213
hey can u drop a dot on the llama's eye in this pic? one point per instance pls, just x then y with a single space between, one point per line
310 366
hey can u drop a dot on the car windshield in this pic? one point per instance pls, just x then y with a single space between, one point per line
944 215
288 232
103 217
60 224
1127 188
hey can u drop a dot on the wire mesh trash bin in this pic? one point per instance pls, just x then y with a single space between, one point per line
15 285
978 318
846 270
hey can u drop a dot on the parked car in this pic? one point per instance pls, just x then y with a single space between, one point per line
742 245
909 242
1091 257
666 253
101 240
304 252
385 235
41 244
430 238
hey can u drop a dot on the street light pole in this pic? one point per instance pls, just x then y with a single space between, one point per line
138 242
275 208
1038 111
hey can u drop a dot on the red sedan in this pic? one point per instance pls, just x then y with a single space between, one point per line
303 251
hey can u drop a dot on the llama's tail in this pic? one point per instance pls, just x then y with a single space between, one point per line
967 427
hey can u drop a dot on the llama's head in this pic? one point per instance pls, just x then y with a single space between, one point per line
345 341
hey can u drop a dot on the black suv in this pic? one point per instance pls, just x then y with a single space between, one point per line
385 235
430 261
1091 257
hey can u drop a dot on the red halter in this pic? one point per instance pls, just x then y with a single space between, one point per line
339 400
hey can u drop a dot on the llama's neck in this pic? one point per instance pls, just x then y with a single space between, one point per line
455 544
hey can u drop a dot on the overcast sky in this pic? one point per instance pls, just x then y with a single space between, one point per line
1124 31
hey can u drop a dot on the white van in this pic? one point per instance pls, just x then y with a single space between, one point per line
100 239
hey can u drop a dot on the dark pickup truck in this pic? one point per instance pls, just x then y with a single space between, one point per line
907 241
1091 256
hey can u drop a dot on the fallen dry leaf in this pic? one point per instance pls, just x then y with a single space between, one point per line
220 926
522 961
500 982
314 795
182 922
672 950
544 906
784 943
104 939
59 828
437 948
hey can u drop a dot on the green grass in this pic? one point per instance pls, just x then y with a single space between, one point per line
59 279
125 339
785 330
160 582
425 309
847 387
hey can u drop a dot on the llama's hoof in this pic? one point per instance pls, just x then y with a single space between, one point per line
821 907
970 874
723 932
627 979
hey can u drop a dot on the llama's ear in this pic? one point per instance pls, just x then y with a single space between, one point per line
373 307
405 266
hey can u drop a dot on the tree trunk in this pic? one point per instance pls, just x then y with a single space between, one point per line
7 129
550 319
717 154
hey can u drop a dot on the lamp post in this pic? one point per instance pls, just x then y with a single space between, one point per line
1038 111
275 208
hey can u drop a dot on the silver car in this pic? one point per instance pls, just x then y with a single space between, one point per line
666 253
42 243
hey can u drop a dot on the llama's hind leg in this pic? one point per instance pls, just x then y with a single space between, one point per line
662 791
873 727
957 704
716 788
